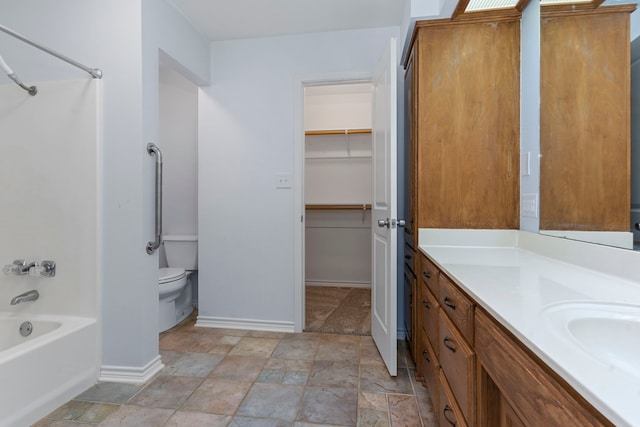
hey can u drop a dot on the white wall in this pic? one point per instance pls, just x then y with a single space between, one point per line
530 107
110 35
246 137
178 141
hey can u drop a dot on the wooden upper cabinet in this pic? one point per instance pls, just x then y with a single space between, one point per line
585 120
466 123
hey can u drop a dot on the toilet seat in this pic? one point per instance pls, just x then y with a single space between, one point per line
167 275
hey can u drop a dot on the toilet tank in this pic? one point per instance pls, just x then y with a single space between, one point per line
181 250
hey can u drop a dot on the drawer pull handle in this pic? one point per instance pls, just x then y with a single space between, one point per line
449 303
408 257
424 354
426 304
426 275
447 410
450 344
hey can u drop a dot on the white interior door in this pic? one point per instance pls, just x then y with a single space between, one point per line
384 225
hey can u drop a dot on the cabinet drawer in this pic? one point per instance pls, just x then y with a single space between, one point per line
428 306
410 258
457 305
458 363
429 368
429 274
448 411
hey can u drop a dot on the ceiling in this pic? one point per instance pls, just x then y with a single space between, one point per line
235 19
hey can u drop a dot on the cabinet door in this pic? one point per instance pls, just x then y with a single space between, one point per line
409 286
469 125
527 385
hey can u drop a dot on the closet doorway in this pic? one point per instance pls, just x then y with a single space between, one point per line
337 197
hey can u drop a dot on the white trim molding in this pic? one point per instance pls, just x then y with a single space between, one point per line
248 324
131 374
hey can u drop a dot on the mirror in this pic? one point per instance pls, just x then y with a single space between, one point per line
585 123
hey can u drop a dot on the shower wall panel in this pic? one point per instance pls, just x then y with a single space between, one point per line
49 185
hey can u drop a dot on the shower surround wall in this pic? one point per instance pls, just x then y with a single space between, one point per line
49 169
124 38
50 195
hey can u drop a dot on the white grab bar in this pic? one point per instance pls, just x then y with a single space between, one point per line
153 149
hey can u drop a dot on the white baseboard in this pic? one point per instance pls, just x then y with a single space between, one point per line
248 324
130 374
338 284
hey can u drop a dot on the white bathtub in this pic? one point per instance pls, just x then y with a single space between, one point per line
38 373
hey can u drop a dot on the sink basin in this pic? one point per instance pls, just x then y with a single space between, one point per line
609 332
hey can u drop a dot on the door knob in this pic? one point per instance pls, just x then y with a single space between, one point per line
401 223
383 223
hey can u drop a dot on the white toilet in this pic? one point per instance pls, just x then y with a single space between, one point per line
174 284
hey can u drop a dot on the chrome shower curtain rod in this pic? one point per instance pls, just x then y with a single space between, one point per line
96 73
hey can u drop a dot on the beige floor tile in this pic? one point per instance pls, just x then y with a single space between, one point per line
166 391
193 419
403 410
373 418
303 380
377 379
334 374
239 368
217 396
258 347
276 401
129 415
296 349
323 405
177 341
289 364
376 401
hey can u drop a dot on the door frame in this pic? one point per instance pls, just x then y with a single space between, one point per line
298 178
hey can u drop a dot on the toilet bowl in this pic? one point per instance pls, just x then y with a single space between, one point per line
174 286
175 297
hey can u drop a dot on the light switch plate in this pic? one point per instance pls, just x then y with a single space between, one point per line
283 180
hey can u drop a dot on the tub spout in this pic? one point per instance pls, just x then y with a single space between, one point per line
27 296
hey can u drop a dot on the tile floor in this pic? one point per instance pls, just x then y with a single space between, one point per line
221 377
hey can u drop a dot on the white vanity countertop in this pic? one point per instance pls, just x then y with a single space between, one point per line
513 278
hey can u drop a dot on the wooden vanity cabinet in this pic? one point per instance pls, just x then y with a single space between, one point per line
527 390
464 105
479 374
462 127
446 360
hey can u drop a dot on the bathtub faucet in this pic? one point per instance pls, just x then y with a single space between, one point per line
19 267
27 296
